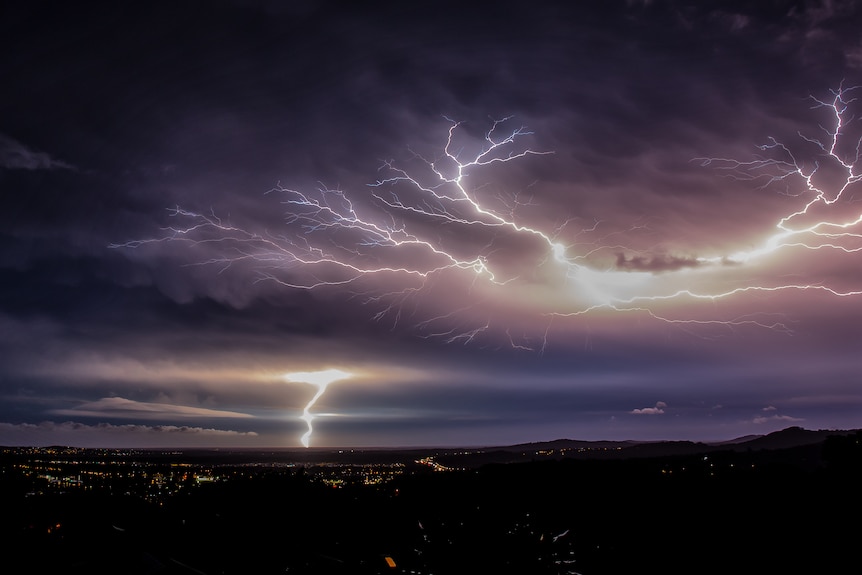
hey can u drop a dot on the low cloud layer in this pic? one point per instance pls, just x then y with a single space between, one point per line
126 408
110 435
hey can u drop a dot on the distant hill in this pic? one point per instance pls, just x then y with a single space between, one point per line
567 444
791 437
742 439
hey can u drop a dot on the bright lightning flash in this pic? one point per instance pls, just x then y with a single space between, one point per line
417 224
320 379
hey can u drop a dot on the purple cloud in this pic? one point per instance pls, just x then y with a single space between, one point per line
657 410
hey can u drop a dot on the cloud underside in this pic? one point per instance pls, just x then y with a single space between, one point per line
128 409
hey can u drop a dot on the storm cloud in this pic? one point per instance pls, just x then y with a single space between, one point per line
202 199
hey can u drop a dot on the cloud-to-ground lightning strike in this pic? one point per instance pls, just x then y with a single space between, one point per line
404 225
321 379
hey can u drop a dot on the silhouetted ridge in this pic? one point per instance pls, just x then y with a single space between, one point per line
791 437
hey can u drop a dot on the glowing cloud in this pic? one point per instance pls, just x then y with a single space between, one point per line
321 379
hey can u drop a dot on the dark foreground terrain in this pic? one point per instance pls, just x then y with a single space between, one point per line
719 509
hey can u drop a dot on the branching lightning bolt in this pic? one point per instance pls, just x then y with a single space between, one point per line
793 229
327 229
402 228
775 170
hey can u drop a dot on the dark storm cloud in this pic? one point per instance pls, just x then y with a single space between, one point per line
16 156
656 263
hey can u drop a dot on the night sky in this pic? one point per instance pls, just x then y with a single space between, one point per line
537 220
